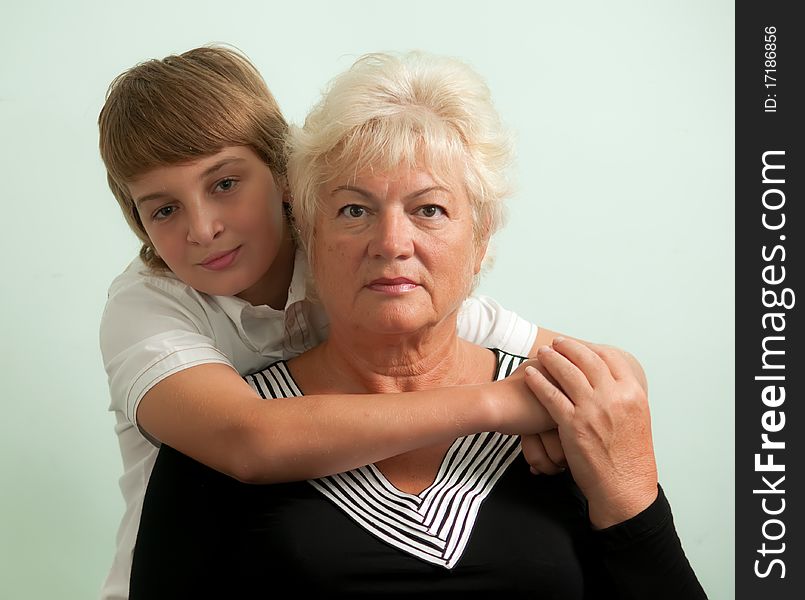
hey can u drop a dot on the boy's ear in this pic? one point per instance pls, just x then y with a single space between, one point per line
287 208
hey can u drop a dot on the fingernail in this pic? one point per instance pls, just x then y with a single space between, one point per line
529 370
558 340
543 349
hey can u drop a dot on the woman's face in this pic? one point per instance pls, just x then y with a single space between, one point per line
394 252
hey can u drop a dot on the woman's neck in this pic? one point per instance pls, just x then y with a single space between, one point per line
392 363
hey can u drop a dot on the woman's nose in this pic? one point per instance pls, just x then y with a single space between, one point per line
392 236
204 226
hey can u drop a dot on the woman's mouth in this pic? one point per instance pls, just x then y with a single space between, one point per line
398 285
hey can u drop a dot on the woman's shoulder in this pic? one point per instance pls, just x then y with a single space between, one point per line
507 363
275 381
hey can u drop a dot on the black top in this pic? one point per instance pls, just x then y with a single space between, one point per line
486 525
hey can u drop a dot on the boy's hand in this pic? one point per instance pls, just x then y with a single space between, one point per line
544 452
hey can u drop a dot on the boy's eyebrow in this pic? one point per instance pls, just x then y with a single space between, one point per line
207 172
222 163
149 197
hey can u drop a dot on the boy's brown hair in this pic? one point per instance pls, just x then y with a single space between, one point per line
181 108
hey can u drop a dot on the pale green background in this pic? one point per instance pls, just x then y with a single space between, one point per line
621 230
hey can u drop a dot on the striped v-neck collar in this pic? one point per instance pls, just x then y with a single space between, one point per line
434 525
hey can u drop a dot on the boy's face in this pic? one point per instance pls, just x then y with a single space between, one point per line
217 222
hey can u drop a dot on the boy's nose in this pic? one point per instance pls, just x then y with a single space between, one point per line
204 226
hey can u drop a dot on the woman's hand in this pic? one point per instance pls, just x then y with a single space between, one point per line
602 414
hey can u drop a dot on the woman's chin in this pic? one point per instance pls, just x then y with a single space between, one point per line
400 329
401 326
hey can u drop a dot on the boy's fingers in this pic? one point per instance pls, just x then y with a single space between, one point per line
553 447
537 456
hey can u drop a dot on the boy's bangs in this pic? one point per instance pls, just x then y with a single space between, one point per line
173 133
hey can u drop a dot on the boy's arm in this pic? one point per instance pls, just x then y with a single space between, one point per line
483 321
211 414
168 377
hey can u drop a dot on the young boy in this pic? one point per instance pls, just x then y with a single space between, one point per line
194 151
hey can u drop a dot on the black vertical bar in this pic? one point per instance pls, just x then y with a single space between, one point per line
769 502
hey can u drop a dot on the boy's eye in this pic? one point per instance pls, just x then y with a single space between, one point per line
164 212
353 210
226 185
431 210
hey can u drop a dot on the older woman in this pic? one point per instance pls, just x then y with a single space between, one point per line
398 177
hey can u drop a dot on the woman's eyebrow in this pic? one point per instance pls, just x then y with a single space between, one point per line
351 188
367 194
428 190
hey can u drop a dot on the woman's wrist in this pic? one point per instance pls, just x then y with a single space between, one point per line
617 507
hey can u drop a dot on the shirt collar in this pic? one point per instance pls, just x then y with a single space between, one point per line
236 307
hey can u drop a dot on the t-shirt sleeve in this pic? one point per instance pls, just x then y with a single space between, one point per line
644 557
483 321
149 330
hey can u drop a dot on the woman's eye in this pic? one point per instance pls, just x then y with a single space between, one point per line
431 210
353 210
164 212
226 185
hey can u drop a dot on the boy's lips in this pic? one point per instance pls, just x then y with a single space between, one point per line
220 260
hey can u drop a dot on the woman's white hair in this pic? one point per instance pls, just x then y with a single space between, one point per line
394 109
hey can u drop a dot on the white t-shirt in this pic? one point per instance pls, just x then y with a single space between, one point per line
155 325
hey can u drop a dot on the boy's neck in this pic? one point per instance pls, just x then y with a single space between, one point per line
272 288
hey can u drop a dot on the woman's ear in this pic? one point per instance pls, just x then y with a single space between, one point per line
481 245
480 254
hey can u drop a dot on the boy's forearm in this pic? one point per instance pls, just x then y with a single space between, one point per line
336 433
305 437
210 414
